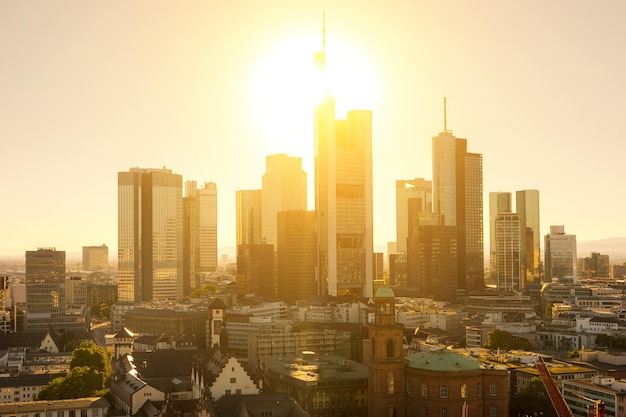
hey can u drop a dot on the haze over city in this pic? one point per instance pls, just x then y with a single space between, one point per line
90 89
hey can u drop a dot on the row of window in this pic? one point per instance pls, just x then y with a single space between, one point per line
464 390
443 412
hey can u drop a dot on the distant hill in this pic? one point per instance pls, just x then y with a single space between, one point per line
615 247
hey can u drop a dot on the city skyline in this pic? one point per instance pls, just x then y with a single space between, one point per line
91 90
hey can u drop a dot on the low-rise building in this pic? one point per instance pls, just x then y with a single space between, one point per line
84 407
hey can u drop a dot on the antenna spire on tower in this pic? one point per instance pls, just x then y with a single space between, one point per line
445 129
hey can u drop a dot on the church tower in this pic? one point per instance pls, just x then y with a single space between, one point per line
123 342
387 395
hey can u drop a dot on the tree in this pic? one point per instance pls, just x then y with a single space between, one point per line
89 371
533 401
505 340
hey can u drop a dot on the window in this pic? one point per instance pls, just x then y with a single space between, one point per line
463 390
95 412
392 410
480 389
424 411
480 411
390 348
237 391
443 391
493 389
228 392
424 389
409 387
493 411
233 380
390 383
443 412
83 413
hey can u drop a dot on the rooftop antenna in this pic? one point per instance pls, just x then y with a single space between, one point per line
445 129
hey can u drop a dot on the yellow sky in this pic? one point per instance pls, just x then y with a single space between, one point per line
92 88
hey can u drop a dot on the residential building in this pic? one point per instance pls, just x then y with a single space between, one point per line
248 206
199 232
343 198
560 255
150 235
412 197
84 407
96 258
284 188
458 196
296 255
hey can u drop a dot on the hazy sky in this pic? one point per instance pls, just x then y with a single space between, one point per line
210 88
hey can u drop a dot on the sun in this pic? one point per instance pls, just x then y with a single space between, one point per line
286 86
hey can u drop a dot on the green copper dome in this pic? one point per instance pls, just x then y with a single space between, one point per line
384 292
442 360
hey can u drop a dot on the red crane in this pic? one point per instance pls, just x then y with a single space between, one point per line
558 402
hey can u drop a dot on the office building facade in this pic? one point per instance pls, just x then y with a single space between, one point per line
560 255
343 200
527 206
150 235
96 258
248 207
200 233
412 197
46 305
296 255
458 197
283 189
509 239
499 202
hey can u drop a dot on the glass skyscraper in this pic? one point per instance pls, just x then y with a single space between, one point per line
150 235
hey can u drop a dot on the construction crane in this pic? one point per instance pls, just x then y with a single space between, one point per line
558 402
598 405
556 398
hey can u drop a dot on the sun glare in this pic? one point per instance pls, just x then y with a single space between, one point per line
286 85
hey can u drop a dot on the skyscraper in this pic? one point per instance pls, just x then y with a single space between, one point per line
509 240
560 255
343 198
412 196
284 188
150 235
296 254
200 232
527 206
458 196
96 258
248 208
499 202
46 305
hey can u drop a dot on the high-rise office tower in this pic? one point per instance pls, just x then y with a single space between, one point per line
296 254
46 304
527 206
499 202
560 255
200 233
412 197
343 198
509 240
458 196
96 258
248 208
284 188
45 288
255 270
432 258
150 235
